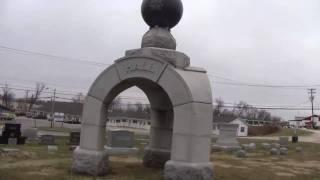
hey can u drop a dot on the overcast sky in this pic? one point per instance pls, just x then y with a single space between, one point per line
273 42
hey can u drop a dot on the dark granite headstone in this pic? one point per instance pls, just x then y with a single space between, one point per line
12 131
74 138
47 140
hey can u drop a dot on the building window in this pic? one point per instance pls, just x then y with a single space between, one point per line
118 121
242 129
135 121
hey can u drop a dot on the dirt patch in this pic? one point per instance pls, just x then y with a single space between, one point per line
225 165
285 174
44 172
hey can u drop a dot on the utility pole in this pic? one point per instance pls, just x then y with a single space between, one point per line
26 101
52 107
312 91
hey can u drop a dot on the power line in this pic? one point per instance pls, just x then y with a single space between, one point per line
55 57
74 60
263 85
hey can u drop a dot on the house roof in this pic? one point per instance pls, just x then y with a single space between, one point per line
71 108
242 120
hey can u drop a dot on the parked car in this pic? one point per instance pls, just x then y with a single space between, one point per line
7 116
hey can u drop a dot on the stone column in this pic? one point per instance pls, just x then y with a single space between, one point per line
157 153
90 157
191 143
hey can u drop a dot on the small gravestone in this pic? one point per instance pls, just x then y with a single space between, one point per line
74 138
120 142
283 151
12 130
31 134
52 148
295 139
274 151
47 140
252 146
12 141
241 154
283 141
266 146
120 138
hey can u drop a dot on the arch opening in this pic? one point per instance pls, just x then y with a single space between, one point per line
158 150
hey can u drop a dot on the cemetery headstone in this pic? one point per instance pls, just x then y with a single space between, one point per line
74 138
120 138
31 134
47 140
295 139
241 154
266 146
284 141
52 148
274 151
12 130
227 139
283 151
252 146
120 142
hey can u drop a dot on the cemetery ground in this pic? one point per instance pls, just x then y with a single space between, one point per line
33 161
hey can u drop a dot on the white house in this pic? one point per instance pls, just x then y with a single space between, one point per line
242 128
128 122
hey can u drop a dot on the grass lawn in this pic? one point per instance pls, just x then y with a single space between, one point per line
290 132
58 129
35 162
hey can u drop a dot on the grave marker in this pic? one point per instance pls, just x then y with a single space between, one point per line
74 138
47 140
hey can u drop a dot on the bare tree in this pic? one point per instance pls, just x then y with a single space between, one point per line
7 96
218 108
35 96
78 98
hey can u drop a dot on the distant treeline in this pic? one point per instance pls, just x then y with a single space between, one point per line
240 110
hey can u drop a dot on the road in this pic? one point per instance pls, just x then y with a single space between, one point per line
313 138
27 123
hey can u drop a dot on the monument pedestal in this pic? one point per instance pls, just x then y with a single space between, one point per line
95 163
175 170
155 158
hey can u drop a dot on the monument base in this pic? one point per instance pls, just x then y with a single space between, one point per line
188 171
120 151
231 148
155 158
90 162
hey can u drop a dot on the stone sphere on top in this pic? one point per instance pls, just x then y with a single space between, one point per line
162 13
